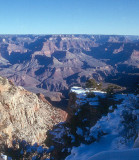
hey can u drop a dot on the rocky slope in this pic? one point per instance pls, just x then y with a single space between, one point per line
24 116
98 122
51 64
116 131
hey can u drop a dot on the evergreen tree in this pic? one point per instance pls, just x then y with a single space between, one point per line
91 83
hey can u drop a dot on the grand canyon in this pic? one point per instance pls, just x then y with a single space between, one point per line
40 103
51 64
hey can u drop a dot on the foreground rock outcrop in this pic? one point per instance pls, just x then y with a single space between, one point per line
23 115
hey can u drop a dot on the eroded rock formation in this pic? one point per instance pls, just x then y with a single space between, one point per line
25 116
51 64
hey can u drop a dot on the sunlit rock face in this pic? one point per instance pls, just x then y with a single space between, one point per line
25 116
51 64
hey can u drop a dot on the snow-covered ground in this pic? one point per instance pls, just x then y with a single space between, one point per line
129 154
82 95
80 90
29 151
115 133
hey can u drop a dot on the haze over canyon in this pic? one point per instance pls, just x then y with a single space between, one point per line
51 64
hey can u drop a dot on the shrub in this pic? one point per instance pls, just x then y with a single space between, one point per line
110 90
91 83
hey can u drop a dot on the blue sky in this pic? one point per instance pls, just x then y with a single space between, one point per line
69 17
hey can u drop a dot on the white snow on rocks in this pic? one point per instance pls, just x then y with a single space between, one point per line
82 96
114 133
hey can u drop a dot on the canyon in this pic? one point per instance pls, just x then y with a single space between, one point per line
51 64
37 75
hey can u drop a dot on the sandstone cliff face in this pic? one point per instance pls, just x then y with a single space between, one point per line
23 115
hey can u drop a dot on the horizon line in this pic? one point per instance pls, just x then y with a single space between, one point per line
69 34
